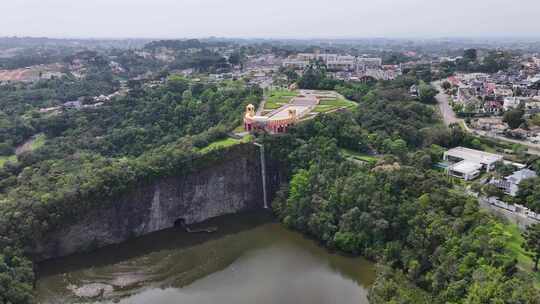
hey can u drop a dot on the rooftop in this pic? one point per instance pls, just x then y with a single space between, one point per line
283 112
474 155
520 175
467 167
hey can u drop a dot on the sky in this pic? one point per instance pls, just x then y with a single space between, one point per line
270 18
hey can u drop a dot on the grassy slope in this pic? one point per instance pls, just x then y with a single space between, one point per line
38 142
278 98
4 159
34 144
359 156
515 246
327 105
224 143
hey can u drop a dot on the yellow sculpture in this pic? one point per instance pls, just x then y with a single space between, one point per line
250 110
292 114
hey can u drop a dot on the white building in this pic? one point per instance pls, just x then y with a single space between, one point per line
333 61
468 163
511 103
467 170
364 62
534 79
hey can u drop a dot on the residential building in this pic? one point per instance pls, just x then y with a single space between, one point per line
333 61
468 163
511 103
510 184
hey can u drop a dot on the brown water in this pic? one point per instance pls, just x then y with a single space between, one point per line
250 260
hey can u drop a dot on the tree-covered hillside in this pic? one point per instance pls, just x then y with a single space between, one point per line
90 154
364 183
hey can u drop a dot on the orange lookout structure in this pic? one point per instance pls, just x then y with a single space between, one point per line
278 121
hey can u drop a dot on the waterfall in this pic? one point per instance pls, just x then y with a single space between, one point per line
263 173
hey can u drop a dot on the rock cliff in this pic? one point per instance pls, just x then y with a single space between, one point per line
228 185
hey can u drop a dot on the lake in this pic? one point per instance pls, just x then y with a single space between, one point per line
251 259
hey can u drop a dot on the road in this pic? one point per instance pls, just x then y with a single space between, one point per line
449 117
519 218
514 217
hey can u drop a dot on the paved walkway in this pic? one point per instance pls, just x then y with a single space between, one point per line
262 104
533 148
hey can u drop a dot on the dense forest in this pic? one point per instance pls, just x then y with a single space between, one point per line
20 102
433 243
92 154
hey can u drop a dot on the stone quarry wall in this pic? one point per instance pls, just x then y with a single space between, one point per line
228 185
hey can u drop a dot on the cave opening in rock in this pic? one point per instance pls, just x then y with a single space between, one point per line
181 222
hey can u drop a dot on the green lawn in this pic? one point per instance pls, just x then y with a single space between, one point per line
328 105
36 143
324 108
239 129
4 159
224 143
338 102
277 98
359 156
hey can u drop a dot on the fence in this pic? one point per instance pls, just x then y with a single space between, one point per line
519 209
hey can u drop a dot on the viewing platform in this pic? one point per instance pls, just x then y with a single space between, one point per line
286 108
279 120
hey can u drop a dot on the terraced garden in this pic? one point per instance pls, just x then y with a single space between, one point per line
328 105
334 101
278 98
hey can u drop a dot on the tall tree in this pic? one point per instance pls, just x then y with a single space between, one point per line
426 93
514 118
470 55
532 242
446 85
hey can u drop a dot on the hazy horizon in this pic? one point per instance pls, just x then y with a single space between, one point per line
278 19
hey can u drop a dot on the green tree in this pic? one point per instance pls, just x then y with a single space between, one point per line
235 58
470 55
16 277
532 242
426 93
446 85
177 84
493 191
536 167
6 149
398 147
536 119
514 118
504 169
529 193
291 74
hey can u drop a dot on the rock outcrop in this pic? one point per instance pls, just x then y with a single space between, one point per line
229 185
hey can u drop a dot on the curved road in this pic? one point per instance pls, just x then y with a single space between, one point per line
449 117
